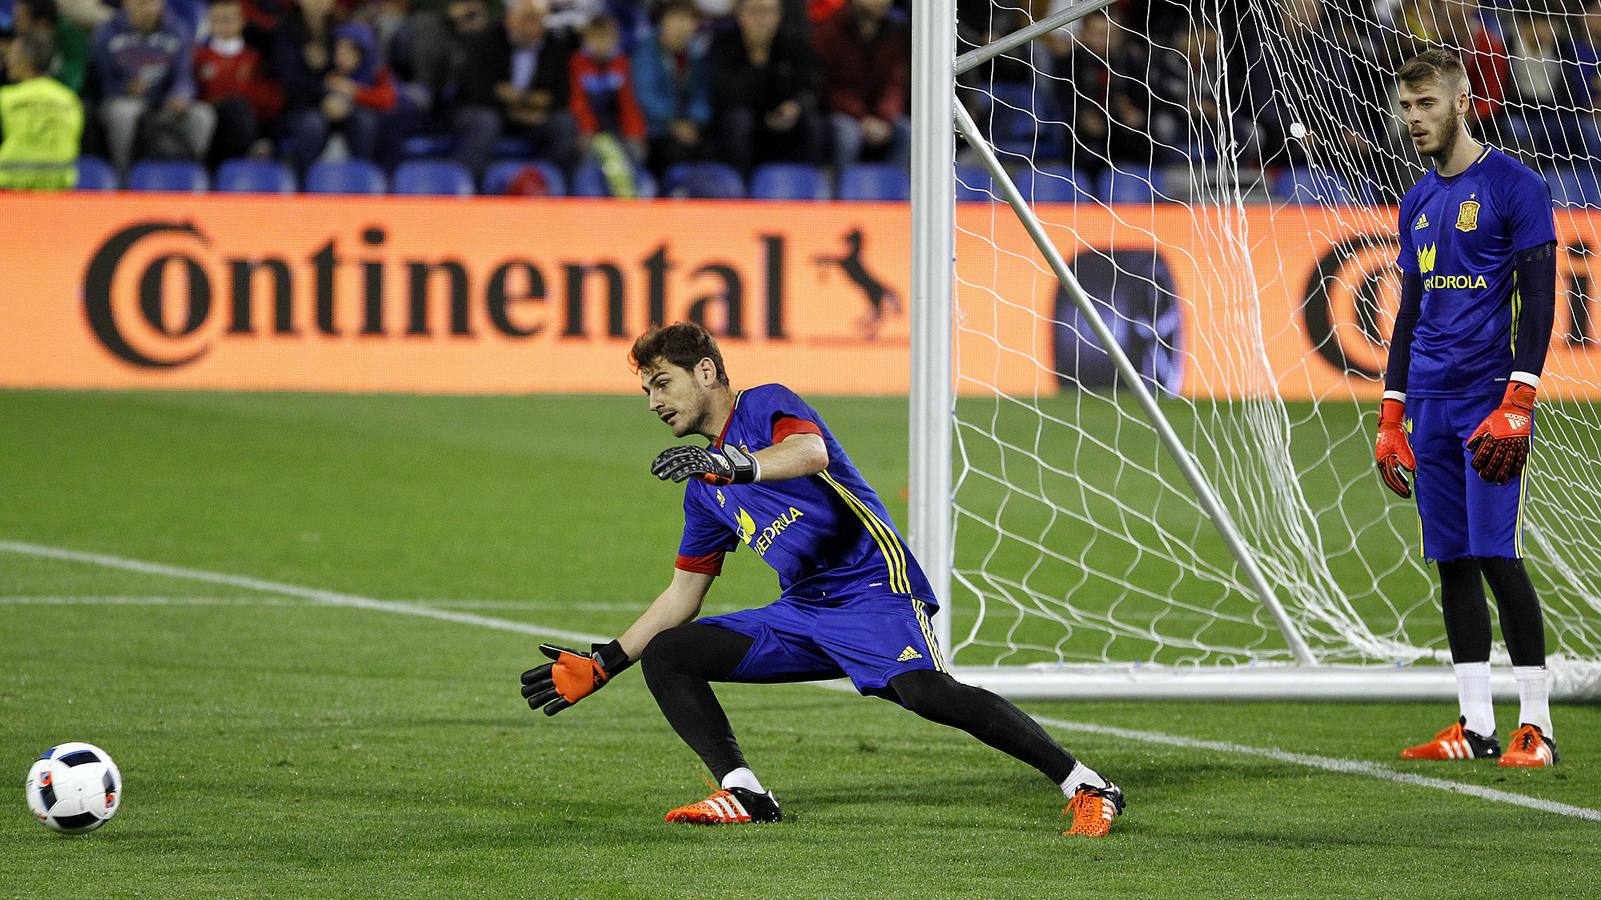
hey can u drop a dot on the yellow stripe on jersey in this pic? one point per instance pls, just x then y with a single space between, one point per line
883 536
895 557
928 635
1423 552
1517 534
1517 310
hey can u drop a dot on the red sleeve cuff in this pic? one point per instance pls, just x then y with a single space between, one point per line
790 426
710 564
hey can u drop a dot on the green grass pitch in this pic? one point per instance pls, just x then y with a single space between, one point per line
273 745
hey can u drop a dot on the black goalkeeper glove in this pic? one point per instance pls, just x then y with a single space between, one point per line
573 676
731 465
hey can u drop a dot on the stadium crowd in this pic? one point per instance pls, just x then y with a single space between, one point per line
642 85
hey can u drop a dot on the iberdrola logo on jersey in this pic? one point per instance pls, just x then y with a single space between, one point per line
1427 254
763 541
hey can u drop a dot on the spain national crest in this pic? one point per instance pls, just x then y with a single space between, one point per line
1467 215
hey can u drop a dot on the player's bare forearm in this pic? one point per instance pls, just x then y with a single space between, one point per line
796 456
673 607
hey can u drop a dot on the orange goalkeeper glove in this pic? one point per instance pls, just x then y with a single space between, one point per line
573 676
1500 444
1393 452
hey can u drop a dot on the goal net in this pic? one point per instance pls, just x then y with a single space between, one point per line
1220 178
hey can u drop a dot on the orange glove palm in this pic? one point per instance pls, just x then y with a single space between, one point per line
573 675
1501 443
1393 452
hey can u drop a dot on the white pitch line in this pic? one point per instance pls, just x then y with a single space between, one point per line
1330 764
331 598
119 600
156 600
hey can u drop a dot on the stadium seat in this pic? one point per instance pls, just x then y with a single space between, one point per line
1054 184
255 176
427 146
875 181
512 148
1127 186
433 178
974 185
1573 187
703 181
168 175
1309 187
351 176
788 181
95 174
501 174
1024 122
440 146
590 181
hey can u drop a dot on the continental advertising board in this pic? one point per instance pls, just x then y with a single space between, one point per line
523 296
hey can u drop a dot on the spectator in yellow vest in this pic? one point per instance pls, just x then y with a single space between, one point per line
40 120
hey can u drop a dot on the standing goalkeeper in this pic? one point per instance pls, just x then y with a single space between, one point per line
1478 285
853 602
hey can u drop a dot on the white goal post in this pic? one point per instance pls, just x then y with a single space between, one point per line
1084 545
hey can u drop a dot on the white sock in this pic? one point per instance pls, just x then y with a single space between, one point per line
1473 696
1534 697
743 778
1080 776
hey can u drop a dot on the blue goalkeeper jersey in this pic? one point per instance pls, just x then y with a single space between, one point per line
828 536
1462 235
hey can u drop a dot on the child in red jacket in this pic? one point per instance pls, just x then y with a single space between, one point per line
230 75
358 94
602 98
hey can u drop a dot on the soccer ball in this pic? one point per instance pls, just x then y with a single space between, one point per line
74 788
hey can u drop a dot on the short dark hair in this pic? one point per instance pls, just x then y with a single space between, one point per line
1433 65
681 7
684 344
42 10
601 24
39 49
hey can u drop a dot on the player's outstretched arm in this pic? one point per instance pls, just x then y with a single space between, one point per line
673 607
573 674
797 456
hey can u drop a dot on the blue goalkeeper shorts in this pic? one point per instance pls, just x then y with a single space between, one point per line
1462 514
869 639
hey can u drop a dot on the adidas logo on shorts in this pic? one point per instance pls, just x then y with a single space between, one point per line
908 654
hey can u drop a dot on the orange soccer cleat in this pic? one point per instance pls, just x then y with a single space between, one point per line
1456 742
1529 749
1093 810
731 806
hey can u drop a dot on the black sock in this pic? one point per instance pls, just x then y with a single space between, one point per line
1522 623
678 665
989 717
1467 616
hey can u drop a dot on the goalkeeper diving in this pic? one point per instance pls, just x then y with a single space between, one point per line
852 601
